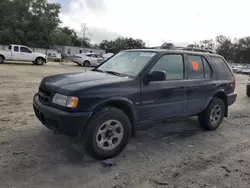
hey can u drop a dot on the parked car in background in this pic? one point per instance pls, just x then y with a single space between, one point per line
248 87
245 70
237 69
107 55
88 59
132 89
55 56
22 53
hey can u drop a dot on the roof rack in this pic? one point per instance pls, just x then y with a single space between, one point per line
195 49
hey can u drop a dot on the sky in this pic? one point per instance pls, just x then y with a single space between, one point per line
156 21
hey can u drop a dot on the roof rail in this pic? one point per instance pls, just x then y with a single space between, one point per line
195 49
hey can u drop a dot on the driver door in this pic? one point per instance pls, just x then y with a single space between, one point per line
100 59
26 54
168 98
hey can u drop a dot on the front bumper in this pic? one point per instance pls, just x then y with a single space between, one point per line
71 124
231 98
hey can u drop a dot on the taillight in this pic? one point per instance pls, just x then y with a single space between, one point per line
234 84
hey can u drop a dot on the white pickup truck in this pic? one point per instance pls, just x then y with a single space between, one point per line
22 53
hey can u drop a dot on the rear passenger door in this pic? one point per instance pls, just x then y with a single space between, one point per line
201 83
168 98
16 55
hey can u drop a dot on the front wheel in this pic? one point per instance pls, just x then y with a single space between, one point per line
39 61
86 63
213 115
248 92
108 133
1 59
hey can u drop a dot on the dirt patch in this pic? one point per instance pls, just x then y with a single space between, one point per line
172 154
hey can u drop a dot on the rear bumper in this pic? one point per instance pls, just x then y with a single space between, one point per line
231 98
71 124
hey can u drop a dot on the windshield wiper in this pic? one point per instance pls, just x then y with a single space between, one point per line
98 70
110 72
115 73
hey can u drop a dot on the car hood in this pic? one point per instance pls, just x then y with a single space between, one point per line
70 82
40 54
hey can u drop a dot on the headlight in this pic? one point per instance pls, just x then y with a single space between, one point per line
66 101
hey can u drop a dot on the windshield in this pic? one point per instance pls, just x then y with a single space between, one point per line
127 63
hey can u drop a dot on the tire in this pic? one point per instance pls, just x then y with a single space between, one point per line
39 61
1 59
248 92
86 63
34 62
214 107
98 133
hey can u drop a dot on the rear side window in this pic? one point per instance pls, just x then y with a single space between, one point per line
16 48
172 64
222 68
199 68
207 68
195 67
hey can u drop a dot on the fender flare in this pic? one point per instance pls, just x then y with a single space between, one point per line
112 102
2 56
222 94
42 58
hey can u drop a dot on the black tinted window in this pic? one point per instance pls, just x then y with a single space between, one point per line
25 50
207 68
172 64
222 69
195 67
16 48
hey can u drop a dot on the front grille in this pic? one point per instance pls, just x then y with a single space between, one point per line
45 96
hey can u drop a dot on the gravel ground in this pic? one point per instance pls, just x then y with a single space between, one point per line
177 153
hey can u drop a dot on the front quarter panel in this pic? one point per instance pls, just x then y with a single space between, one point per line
129 93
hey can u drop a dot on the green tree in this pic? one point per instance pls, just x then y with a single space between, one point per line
167 46
28 22
207 44
121 43
195 45
225 47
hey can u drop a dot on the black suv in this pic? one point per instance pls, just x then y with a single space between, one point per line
133 88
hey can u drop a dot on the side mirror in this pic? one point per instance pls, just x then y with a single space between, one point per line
157 76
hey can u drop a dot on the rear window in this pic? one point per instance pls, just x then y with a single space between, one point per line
16 48
222 69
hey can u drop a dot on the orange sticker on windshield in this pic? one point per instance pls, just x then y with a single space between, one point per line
195 65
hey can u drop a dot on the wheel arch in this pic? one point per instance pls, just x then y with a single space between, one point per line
1 55
122 104
221 94
40 57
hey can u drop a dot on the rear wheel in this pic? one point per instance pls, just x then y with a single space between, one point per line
86 63
213 115
39 61
108 133
1 59
248 92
